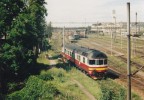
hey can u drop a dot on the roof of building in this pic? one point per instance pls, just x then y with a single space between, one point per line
89 53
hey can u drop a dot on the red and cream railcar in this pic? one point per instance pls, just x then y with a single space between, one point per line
91 61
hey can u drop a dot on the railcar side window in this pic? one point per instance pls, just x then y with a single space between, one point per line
96 62
105 61
79 57
65 51
70 53
83 59
100 62
92 62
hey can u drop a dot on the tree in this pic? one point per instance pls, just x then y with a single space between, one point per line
24 22
37 11
17 53
49 30
9 10
26 33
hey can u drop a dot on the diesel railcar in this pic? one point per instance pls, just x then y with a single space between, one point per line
93 62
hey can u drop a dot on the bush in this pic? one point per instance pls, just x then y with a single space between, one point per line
111 94
35 89
57 74
136 97
112 91
12 86
46 77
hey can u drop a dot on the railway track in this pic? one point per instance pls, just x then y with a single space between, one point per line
132 63
137 49
108 51
137 81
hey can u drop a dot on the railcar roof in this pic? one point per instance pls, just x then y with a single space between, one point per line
90 53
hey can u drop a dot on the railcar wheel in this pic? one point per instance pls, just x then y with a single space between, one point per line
100 76
105 76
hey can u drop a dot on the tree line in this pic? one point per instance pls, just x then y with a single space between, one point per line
22 33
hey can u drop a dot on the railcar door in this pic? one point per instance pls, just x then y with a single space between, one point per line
73 55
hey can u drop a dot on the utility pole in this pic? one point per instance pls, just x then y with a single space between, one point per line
136 23
114 16
115 28
63 39
128 54
86 29
133 46
112 35
111 42
135 37
121 35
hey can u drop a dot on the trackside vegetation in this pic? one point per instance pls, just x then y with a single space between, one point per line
58 83
49 85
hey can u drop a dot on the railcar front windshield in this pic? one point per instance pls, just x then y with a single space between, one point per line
92 62
98 62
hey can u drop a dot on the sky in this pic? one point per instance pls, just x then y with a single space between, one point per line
60 11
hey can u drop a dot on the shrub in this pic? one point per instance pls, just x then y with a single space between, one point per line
46 77
35 89
12 86
136 97
112 91
122 94
57 74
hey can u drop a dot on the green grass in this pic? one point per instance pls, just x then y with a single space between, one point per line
119 64
61 86
42 58
102 89
65 85
91 85
51 52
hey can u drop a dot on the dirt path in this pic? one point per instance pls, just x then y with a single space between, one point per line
89 95
53 62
